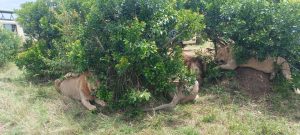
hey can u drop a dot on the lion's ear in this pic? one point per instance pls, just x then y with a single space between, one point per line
228 49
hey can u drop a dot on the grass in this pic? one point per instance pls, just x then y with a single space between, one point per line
28 108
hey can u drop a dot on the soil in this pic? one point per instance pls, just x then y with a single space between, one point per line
254 83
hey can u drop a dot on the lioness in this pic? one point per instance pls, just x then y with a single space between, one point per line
182 95
226 60
79 87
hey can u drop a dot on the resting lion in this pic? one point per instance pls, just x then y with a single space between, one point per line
79 87
182 95
225 58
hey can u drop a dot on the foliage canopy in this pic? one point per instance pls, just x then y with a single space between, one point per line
132 45
259 28
9 45
254 28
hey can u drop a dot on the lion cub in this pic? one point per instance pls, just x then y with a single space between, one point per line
79 87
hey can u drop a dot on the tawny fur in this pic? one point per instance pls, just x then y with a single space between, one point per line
77 87
225 57
227 61
179 97
195 65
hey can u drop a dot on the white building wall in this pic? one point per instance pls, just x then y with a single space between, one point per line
14 27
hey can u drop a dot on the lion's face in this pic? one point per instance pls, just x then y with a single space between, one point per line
223 55
93 82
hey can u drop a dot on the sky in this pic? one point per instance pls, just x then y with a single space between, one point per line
11 4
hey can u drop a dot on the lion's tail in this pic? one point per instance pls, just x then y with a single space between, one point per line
57 83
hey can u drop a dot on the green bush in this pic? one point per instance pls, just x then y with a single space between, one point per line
254 28
9 44
35 60
42 55
212 74
128 43
259 28
38 21
131 45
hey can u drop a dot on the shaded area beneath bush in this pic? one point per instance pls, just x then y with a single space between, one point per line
254 83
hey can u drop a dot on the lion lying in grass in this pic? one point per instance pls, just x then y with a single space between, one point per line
183 93
79 87
226 60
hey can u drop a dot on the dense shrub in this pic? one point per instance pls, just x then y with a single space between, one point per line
258 28
128 43
41 56
131 45
37 64
262 29
38 21
212 74
9 44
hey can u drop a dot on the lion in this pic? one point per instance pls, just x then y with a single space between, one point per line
226 60
182 95
79 87
195 65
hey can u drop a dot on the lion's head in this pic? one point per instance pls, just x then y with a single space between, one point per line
93 82
223 55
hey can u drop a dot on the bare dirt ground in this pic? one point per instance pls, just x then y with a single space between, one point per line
254 83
